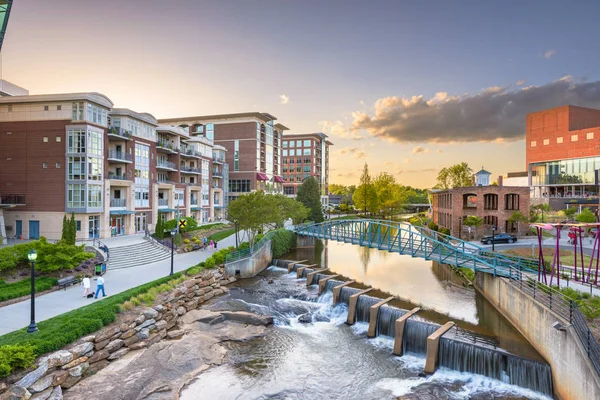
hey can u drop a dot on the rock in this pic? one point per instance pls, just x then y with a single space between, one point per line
305 319
176 334
42 384
101 345
95 368
171 324
99 355
223 282
203 284
225 290
115 336
218 292
107 334
89 338
81 349
321 318
56 394
128 334
204 316
114 345
189 283
157 337
180 311
70 382
43 395
75 362
140 319
145 324
137 346
57 359
124 327
16 393
208 296
160 325
118 354
190 295
78 370
33 376
159 308
59 377
247 318
232 279
143 334
129 341
191 305
270 282
150 313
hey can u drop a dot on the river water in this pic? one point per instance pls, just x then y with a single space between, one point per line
327 359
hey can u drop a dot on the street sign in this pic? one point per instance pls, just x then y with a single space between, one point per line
182 223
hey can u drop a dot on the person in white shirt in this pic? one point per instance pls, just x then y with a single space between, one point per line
99 287
86 285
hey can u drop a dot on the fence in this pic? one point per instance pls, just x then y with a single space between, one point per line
240 254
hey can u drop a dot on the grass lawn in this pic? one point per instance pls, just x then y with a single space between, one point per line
566 256
23 287
218 236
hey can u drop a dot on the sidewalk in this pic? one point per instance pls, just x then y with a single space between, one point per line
16 316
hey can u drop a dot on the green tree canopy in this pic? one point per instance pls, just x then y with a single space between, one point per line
586 216
287 208
458 175
390 195
518 217
252 212
365 196
473 221
308 194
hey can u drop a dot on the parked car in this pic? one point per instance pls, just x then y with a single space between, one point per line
499 238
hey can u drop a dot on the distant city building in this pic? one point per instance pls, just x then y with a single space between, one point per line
303 156
495 204
482 178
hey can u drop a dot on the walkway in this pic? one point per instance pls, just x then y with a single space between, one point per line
16 316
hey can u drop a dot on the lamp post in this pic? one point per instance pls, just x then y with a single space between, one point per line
493 237
173 232
32 256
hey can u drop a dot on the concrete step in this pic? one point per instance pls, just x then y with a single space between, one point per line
137 254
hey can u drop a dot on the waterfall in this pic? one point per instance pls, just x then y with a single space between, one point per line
415 336
346 292
331 284
280 263
386 320
363 307
305 271
317 278
465 357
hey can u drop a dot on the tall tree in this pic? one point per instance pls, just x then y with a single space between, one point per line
65 236
458 175
365 196
390 195
308 194
287 208
252 212
73 229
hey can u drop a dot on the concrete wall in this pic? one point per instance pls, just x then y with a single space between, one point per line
573 375
250 266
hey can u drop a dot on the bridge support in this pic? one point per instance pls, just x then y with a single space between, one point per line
373 313
323 283
399 328
291 265
433 346
352 306
311 276
305 242
338 289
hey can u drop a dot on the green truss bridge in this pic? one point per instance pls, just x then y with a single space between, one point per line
404 238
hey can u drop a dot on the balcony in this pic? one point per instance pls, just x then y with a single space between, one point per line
161 164
194 202
218 159
118 202
117 177
217 186
163 202
119 156
190 153
165 181
119 134
190 170
166 147
217 174
12 199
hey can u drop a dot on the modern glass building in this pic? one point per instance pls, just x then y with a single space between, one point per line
5 6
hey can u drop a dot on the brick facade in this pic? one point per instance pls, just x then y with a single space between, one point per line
495 204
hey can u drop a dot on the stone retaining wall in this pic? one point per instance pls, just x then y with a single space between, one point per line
63 369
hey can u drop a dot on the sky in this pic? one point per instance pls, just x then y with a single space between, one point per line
407 87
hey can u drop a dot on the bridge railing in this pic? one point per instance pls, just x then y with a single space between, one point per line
241 254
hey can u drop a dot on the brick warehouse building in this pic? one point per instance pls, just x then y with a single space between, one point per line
495 204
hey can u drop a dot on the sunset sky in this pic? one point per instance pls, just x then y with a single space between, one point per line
408 87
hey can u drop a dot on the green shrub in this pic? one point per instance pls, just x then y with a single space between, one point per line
195 270
191 225
186 241
15 356
209 263
23 287
178 239
13 256
282 242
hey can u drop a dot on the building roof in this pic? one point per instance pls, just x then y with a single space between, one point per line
319 135
175 130
483 172
10 89
258 115
281 127
145 117
93 97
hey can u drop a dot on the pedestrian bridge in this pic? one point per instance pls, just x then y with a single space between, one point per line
422 242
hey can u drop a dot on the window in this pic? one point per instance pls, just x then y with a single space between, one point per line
307 161
96 114
45 139
285 144
559 139
239 185
57 165
45 108
76 168
95 169
589 135
306 152
511 201
94 196
94 143
78 111
285 153
236 155
307 168
289 190
76 195
292 143
44 165
574 138
546 142
210 132
58 139
298 143
490 201
533 143
76 140
78 225
307 143
490 220
58 108
293 152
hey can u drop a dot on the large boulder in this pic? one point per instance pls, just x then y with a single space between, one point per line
33 376
247 318
149 313
82 349
57 359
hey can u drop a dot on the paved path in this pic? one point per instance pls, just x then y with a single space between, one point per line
16 316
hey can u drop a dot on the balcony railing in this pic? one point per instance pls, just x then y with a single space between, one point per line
190 153
166 164
161 144
12 199
219 159
117 177
185 168
119 155
194 202
119 133
217 186
118 202
163 202
217 174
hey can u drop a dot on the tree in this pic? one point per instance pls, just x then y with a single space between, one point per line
570 212
73 229
518 217
365 196
541 208
458 175
159 229
252 212
473 221
390 195
586 216
308 194
287 209
65 236
337 189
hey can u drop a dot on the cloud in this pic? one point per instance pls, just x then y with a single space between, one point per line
358 153
420 150
439 151
283 99
407 161
416 171
483 117
338 129
549 54
520 82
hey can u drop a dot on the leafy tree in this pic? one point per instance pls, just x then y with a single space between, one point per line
171 224
308 194
287 208
541 208
586 216
570 212
458 175
365 196
390 195
72 230
473 221
58 256
65 236
252 212
337 189
518 217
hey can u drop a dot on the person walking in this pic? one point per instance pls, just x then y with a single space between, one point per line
204 241
215 243
100 286
211 244
86 285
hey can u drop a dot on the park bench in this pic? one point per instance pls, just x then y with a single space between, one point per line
66 281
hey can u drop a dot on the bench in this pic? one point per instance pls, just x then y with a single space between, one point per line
66 281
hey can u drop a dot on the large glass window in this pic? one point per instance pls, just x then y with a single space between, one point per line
285 153
298 143
76 139
293 152
239 185
94 196
285 144
96 114
306 152
236 155
94 143
78 111
76 168
76 195
307 143
210 132
95 169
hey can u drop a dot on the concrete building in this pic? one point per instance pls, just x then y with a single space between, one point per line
305 155
563 154
253 149
495 204
116 169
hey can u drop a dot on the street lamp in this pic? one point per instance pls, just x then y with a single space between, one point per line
493 237
32 256
173 232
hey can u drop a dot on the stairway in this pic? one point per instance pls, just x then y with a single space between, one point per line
137 254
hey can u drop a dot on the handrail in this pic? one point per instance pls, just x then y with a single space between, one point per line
152 239
240 254
101 246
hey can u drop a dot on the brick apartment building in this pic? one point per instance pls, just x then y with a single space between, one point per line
117 170
305 155
253 148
